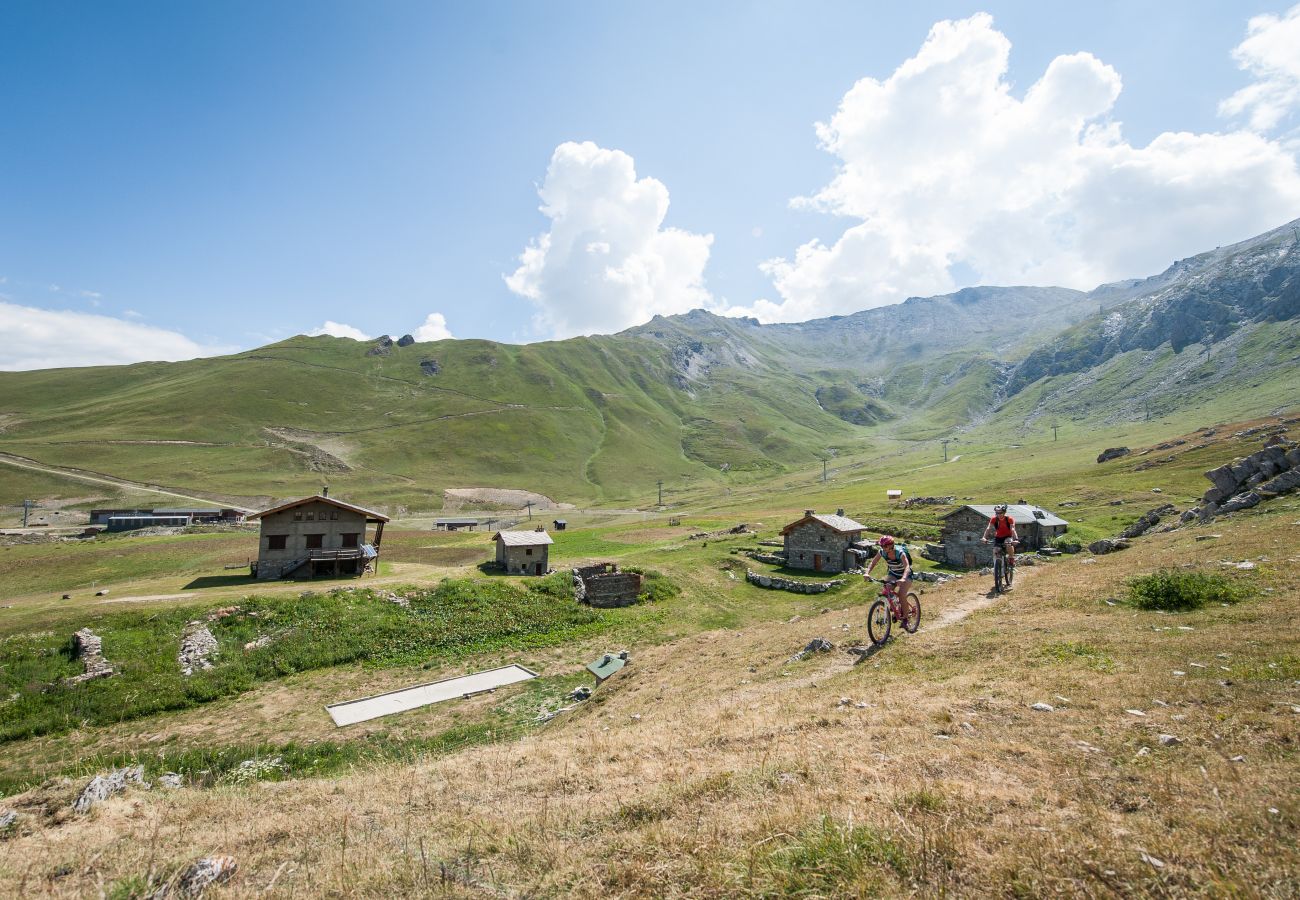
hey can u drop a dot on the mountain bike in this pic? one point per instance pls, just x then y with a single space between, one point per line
888 609
1004 567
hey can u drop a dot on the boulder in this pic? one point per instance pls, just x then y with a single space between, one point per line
1148 521
1224 481
1241 501
1292 457
382 347
1108 545
405 340
429 367
1113 453
101 787
1287 481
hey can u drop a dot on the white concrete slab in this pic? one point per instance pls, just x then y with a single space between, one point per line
353 711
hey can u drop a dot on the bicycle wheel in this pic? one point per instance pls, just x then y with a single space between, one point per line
1008 572
913 620
879 621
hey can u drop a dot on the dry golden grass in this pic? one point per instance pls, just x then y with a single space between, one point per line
713 767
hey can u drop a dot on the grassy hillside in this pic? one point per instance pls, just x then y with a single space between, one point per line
714 759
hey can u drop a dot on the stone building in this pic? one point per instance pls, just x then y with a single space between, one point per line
963 529
317 536
605 586
523 552
823 543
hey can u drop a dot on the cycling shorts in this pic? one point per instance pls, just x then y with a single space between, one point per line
1001 542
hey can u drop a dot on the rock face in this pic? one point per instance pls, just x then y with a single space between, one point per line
1112 453
90 647
405 340
198 646
789 584
1249 481
429 367
383 346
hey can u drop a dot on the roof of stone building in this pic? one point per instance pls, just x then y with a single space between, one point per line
1021 514
370 514
842 524
523 538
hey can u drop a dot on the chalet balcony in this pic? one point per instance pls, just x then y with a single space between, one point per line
332 555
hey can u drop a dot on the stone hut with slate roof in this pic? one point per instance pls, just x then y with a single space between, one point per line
963 528
822 543
523 552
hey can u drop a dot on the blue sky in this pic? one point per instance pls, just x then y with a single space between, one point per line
178 178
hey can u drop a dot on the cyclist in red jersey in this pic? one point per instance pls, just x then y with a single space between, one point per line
1004 532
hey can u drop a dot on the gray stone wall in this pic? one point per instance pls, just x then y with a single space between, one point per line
817 547
961 540
789 584
613 589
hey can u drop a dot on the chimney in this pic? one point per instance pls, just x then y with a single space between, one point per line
840 511
808 512
541 528
325 491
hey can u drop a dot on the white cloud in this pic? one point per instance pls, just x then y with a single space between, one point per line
941 165
1271 53
607 263
433 329
338 329
44 338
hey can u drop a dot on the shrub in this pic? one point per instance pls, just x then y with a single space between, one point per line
1172 589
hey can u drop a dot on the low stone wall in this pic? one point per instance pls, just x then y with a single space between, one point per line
90 648
789 584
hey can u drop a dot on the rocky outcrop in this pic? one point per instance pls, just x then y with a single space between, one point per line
405 340
1149 520
1249 481
90 648
1112 453
789 584
429 367
1109 545
383 346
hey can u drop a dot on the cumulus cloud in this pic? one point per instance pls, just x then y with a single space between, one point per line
44 338
607 262
1270 53
941 165
338 329
434 328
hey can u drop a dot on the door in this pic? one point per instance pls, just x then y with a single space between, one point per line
817 562
969 559
538 569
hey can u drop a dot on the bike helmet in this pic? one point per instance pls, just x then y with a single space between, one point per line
885 541
1000 508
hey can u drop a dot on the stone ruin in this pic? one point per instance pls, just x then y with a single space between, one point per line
90 648
928 501
198 645
603 585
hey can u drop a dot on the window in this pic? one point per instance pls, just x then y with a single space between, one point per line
314 541
276 541
311 516
350 540
334 514
528 551
297 516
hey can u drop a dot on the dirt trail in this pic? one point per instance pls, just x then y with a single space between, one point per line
969 601
23 462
